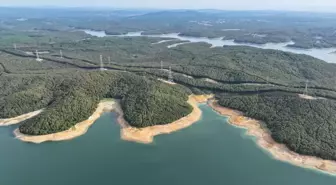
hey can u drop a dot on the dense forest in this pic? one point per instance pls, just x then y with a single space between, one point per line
262 83
71 96
305 126
228 64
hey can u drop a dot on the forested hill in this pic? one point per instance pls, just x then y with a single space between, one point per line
228 64
72 96
70 86
305 126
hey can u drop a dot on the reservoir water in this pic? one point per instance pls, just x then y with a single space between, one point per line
210 152
325 54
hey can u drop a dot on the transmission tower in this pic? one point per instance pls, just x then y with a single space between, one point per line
170 75
161 65
14 46
256 105
101 63
267 80
109 60
37 56
61 53
306 88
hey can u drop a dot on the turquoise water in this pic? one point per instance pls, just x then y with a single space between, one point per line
210 152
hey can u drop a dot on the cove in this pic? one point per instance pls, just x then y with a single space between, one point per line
210 152
323 54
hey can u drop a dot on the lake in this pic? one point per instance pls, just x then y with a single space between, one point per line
323 54
210 152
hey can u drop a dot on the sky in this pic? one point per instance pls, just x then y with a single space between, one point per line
298 5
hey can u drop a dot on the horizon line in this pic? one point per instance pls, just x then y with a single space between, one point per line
162 9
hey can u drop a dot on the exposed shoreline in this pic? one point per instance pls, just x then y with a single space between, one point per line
146 135
266 142
140 135
18 119
77 130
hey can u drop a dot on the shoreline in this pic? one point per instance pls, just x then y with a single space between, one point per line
146 135
76 131
140 135
265 141
18 119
